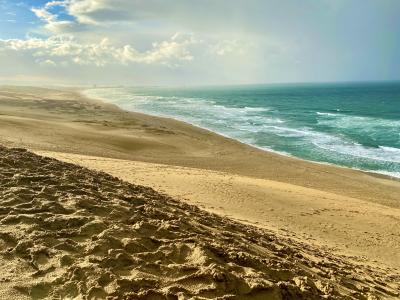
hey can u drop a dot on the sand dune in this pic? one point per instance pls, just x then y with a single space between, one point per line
365 231
70 232
65 231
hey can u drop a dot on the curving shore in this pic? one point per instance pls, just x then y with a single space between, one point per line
338 210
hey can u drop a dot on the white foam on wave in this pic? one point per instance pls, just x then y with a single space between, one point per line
256 109
243 123
387 173
325 114
338 144
339 120
358 151
390 150
291 132
238 119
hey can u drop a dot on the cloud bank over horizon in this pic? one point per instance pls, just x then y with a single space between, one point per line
198 42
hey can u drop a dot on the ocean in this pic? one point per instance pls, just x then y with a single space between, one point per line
354 125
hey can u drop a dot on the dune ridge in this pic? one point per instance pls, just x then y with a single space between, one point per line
70 232
364 231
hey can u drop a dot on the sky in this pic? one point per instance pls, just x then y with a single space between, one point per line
198 42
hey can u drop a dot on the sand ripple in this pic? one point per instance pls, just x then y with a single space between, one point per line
67 232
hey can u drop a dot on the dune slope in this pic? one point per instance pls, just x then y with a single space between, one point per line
67 232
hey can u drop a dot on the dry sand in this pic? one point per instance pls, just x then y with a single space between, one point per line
323 210
368 232
71 233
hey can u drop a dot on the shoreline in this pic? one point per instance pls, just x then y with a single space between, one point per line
352 211
271 151
152 129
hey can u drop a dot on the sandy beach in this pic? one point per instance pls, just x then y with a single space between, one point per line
348 217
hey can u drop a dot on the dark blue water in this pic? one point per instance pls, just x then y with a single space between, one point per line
349 124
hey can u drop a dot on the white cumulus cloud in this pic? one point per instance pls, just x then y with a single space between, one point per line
65 48
51 20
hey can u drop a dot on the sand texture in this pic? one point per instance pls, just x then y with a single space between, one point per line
367 232
273 227
67 232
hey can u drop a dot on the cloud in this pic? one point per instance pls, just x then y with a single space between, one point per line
48 62
219 41
98 11
88 12
51 20
205 15
190 13
168 53
93 11
226 47
67 49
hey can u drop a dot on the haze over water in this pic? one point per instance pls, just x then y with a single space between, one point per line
356 125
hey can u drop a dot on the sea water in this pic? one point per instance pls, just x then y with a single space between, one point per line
356 125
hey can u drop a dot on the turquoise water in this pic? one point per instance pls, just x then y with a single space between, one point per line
355 125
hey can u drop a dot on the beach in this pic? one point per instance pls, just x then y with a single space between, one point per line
352 215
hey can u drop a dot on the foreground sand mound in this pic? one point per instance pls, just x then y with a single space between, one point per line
70 233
